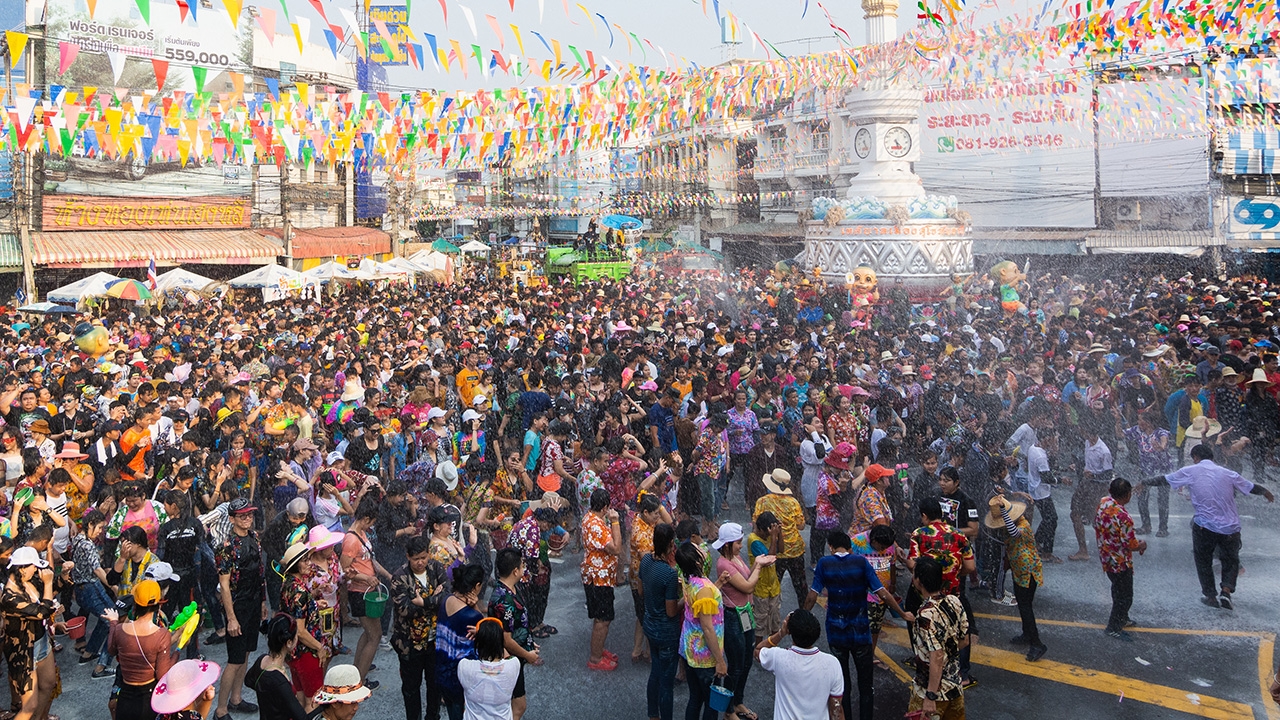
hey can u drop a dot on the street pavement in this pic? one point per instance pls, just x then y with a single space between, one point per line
1186 660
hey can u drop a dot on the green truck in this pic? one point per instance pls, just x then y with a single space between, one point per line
584 265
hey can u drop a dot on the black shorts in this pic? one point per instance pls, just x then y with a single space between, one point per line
519 691
240 647
599 602
355 603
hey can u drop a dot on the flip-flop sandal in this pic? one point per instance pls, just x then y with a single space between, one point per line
551 629
541 633
748 715
880 664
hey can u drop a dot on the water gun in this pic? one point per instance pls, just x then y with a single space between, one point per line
188 621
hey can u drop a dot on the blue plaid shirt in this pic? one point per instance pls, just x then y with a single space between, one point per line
847 579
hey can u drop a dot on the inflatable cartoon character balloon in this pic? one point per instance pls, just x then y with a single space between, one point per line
863 282
1008 276
92 340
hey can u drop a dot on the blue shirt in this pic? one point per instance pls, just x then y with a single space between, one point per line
665 421
533 440
661 583
847 579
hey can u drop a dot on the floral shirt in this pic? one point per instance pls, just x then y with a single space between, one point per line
871 505
939 541
828 513
588 482
239 462
1024 559
551 452
714 455
881 562
526 538
1152 459
842 427
791 516
598 566
1116 540
742 431
297 600
77 501
619 479
415 627
641 538
241 558
940 625
508 607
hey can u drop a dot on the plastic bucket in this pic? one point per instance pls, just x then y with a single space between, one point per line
721 697
375 601
75 627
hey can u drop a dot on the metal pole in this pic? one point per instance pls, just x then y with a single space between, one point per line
286 225
1097 149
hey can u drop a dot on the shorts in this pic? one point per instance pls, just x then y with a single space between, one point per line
947 709
355 604
240 646
1085 500
768 614
875 616
518 692
599 602
638 602
41 649
306 674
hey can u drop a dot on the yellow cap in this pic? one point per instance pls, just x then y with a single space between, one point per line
147 594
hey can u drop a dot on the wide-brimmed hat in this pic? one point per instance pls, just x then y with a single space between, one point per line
839 456
292 556
40 426
184 682
1203 427
1156 351
778 482
1229 372
1259 376
341 685
1097 348
994 521
321 537
908 370
448 472
886 356
70 451
352 390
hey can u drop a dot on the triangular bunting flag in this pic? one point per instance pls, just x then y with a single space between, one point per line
17 44
233 10
67 52
267 21
117 60
199 74
144 9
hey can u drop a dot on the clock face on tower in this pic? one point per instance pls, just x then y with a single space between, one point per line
897 141
862 143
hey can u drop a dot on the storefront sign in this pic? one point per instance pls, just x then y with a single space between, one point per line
81 212
1256 214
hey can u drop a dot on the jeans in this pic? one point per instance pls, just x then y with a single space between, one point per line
416 667
1121 599
1204 543
862 656
1162 506
699 681
662 677
1048 527
93 600
456 710
1026 596
739 653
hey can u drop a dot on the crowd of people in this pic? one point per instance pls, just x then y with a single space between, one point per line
413 463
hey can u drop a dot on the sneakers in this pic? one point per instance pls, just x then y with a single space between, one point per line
606 664
215 639
1036 652
1008 600
1130 622
1210 601
1225 601
1120 635
103 673
244 706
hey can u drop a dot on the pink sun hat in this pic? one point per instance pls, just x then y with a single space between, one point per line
321 537
184 682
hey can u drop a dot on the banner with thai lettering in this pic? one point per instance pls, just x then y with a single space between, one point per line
1015 154
395 20
82 212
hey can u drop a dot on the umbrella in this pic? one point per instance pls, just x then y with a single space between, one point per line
622 222
513 240
46 308
128 289
444 246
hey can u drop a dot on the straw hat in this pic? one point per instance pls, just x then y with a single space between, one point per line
342 685
886 356
321 537
352 390
1259 376
1156 351
1229 372
1097 348
778 482
1204 427
908 370
292 556
994 521
184 682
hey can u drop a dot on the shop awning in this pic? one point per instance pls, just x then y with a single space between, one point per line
10 253
336 241
1027 241
762 230
1188 243
167 247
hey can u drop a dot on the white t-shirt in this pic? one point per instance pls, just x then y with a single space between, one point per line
1097 458
1037 462
61 535
488 685
804 678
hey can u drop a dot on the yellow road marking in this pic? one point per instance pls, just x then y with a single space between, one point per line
1162 631
1104 682
898 671
1266 659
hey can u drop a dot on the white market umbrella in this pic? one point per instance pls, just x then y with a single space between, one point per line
93 286
183 280
382 270
272 276
331 270
475 247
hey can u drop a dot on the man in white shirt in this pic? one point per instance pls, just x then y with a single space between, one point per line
1091 486
808 683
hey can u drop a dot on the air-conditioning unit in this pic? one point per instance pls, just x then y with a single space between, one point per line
1129 211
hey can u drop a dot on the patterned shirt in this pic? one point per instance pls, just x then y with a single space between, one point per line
619 479
693 642
588 482
415 627
641 538
86 558
1152 459
827 516
241 558
507 607
871 505
742 431
940 542
1116 540
1020 548
297 600
791 516
848 579
842 427
881 562
940 625
598 566
714 455
526 538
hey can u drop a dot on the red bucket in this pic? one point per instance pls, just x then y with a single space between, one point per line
75 627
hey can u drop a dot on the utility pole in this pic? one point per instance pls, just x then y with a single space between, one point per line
285 224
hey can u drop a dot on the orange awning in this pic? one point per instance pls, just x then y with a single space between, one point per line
336 241
167 247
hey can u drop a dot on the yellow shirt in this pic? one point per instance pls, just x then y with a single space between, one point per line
788 511
767 585
467 380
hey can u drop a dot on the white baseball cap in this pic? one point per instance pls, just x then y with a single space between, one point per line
729 533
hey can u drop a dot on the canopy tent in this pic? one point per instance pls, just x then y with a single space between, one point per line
47 308
273 276
382 270
333 270
402 264
475 247
93 286
182 281
513 240
444 246
428 260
